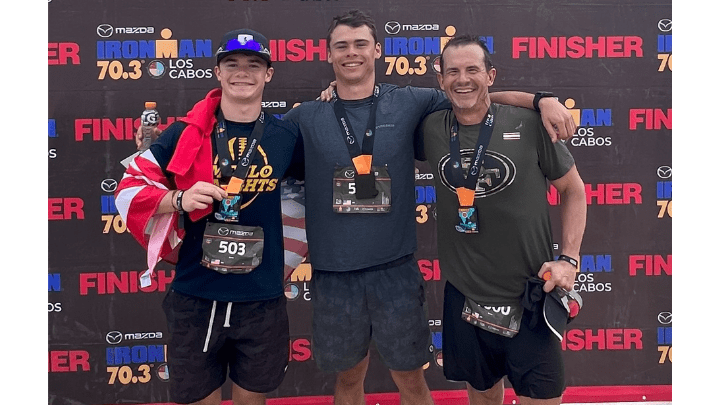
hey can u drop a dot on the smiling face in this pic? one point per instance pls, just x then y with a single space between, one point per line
465 78
352 53
242 77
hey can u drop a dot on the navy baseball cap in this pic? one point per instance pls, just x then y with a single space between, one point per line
244 41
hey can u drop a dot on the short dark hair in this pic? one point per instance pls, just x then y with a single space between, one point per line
355 19
467 39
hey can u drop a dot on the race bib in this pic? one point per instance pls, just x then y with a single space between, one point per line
231 248
345 191
504 320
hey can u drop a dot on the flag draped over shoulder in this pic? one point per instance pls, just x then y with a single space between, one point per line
144 185
137 198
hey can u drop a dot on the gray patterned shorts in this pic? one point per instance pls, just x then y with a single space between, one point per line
388 306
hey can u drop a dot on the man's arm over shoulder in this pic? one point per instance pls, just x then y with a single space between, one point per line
557 120
429 99
292 118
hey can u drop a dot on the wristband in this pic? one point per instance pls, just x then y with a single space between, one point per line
173 194
569 260
538 96
178 201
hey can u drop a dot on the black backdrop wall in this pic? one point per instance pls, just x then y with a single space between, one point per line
608 61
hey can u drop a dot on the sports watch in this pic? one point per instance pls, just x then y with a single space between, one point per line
538 96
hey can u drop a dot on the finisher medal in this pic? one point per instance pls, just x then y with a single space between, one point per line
468 220
465 185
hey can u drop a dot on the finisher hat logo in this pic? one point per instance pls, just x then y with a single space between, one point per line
243 39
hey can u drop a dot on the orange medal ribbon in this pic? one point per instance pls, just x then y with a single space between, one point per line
466 196
235 185
363 163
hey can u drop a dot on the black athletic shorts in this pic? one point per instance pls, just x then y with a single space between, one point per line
532 360
208 337
387 305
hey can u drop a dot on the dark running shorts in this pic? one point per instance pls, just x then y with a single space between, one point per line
252 343
351 308
532 360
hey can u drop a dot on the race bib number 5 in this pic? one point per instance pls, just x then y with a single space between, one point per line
345 198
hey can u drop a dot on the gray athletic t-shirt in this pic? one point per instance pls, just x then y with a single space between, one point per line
345 242
514 235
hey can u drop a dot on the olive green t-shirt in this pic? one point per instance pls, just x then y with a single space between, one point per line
514 234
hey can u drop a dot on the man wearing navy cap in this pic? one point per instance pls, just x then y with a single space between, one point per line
212 181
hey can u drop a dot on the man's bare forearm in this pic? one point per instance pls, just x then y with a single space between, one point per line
573 212
166 204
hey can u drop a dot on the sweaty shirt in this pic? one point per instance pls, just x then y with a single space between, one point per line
345 242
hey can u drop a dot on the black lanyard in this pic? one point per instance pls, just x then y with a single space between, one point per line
349 135
225 161
458 178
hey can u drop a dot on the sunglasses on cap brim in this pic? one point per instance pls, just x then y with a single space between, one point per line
249 45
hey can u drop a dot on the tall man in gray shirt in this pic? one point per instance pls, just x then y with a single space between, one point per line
359 179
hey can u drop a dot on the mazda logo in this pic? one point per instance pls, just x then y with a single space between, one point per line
665 318
223 231
105 30
349 174
113 337
109 185
665 25
392 27
664 172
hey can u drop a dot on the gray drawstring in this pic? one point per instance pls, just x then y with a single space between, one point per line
227 315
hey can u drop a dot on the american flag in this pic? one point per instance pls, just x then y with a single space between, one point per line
293 218
139 193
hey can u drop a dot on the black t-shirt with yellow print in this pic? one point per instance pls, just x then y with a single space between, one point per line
260 206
